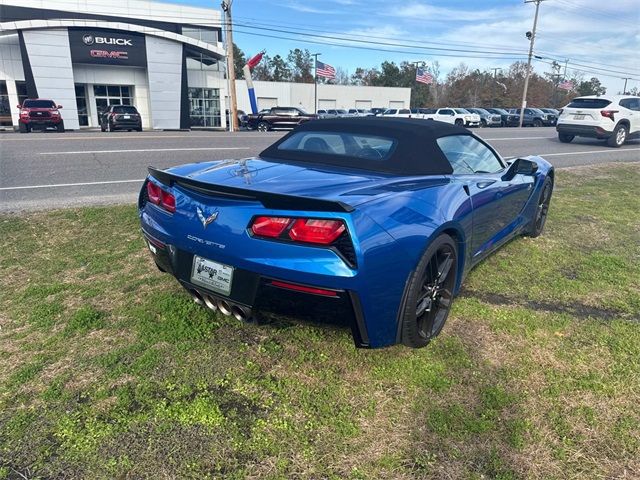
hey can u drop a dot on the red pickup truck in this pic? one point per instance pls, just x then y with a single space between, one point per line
278 118
40 113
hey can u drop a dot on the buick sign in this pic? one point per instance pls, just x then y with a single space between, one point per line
107 47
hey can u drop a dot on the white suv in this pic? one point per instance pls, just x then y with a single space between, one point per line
614 118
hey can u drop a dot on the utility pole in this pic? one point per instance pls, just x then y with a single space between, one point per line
493 86
624 90
231 70
315 81
532 36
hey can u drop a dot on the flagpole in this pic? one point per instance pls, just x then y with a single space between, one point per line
315 82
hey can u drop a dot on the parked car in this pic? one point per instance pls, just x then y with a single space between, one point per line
377 110
421 112
533 117
456 116
377 224
120 117
39 113
508 119
614 118
397 112
487 119
359 112
552 111
278 118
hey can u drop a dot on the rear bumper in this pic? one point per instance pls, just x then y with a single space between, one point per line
257 292
591 131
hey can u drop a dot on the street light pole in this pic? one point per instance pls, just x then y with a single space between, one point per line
624 90
315 81
493 87
526 78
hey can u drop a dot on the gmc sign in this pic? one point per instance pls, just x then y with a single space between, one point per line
107 47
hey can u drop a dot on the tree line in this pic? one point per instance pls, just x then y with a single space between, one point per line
461 86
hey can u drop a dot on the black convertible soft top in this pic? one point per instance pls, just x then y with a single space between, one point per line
416 151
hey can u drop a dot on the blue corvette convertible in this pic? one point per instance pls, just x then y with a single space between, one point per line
370 221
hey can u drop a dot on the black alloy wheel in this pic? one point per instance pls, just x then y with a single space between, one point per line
430 293
537 123
459 122
542 209
565 137
263 127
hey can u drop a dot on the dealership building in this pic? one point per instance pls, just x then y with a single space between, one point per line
167 60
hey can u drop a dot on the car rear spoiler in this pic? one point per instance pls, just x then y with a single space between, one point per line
276 201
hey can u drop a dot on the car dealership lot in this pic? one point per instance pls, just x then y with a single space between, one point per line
48 170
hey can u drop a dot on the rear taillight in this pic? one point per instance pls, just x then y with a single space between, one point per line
323 232
609 114
304 230
271 227
162 198
303 288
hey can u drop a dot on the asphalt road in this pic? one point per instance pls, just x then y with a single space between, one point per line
44 170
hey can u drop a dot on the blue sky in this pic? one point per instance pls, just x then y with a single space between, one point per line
592 33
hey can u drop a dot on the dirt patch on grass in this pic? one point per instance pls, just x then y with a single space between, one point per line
576 309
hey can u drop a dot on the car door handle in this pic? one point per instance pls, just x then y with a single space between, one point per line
485 184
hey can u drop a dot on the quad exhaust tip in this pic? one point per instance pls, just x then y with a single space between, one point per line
239 312
210 302
224 307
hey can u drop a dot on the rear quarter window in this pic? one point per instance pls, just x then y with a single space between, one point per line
589 103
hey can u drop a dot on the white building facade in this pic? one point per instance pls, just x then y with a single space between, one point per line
302 95
166 59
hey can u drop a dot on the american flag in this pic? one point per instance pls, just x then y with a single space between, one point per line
566 85
423 76
325 70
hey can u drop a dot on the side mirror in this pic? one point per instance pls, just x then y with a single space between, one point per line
19 106
526 167
520 166
59 106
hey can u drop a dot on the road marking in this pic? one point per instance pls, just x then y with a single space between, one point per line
85 184
586 152
80 152
149 136
514 138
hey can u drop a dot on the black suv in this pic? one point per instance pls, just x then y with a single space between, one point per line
120 117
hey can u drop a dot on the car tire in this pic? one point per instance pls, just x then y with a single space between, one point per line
60 127
537 123
565 137
459 122
619 136
139 129
536 226
110 127
23 128
263 127
430 293
103 128
483 124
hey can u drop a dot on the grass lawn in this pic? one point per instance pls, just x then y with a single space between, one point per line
109 370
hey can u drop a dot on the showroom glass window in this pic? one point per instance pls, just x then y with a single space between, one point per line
107 95
81 103
21 89
468 155
202 34
204 107
5 110
201 61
